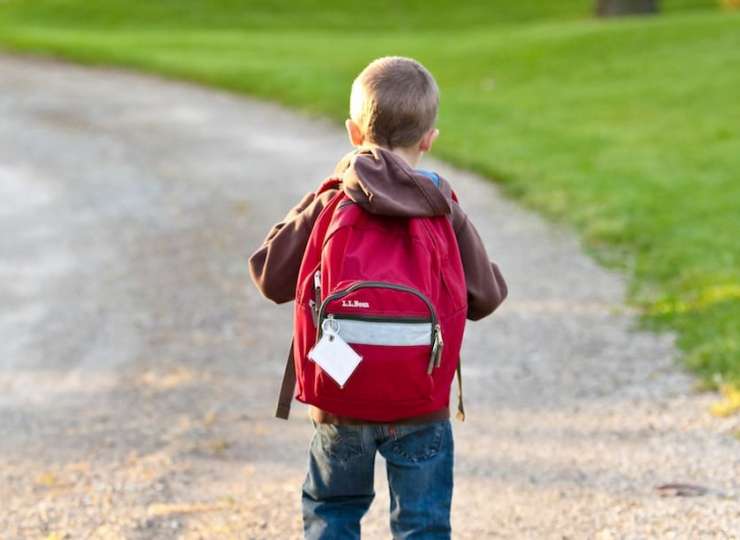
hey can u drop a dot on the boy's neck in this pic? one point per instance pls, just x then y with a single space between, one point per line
409 155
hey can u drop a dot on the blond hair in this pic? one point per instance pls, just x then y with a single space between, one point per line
394 100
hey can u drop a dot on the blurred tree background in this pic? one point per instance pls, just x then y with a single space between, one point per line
627 128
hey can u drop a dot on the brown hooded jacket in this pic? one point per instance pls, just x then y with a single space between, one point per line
381 183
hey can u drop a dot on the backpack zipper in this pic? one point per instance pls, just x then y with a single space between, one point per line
376 285
379 318
317 297
437 343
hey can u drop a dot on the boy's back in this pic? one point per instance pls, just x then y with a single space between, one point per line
394 101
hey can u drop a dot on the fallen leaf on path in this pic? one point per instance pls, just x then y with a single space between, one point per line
730 403
681 490
218 446
47 479
167 380
210 418
168 509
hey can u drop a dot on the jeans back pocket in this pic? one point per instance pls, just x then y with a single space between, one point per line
421 442
340 442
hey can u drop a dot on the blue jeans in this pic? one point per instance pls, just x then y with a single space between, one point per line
339 485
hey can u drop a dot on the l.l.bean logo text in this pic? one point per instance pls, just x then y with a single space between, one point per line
355 304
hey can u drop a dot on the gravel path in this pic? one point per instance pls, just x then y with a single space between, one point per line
139 368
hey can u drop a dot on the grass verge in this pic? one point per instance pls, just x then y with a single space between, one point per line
628 130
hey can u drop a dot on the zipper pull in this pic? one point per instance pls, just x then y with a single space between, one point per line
333 327
440 346
435 358
317 295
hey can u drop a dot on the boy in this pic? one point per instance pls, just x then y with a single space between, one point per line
393 109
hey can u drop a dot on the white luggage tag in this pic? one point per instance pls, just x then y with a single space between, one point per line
333 354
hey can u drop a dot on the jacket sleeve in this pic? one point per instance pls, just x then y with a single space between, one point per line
275 265
486 286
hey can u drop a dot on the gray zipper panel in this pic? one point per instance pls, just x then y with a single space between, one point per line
384 333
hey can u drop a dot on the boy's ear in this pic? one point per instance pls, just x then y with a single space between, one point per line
428 140
354 132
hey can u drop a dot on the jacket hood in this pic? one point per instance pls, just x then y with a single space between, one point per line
383 183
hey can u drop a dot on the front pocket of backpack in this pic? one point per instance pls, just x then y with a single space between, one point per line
395 358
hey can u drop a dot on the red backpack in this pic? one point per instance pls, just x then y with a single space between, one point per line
394 289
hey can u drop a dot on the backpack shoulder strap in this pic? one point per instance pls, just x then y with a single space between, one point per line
287 387
460 408
332 182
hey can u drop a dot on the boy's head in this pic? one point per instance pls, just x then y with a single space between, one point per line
394 104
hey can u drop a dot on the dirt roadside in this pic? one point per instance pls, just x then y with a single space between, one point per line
139 368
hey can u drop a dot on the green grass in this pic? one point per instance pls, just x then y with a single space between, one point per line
628 130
